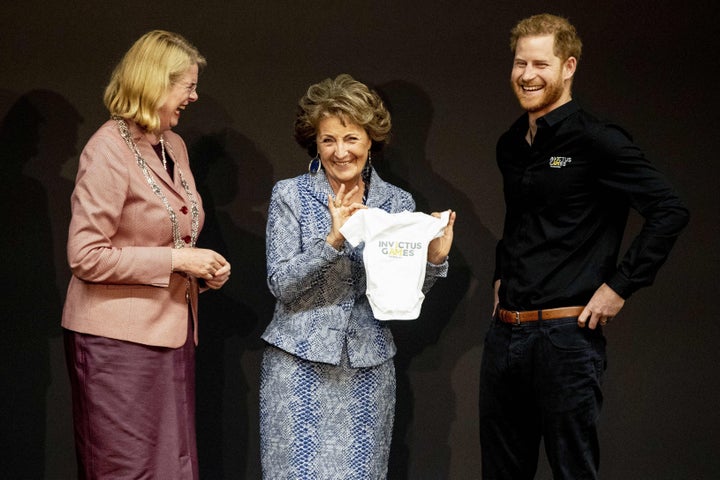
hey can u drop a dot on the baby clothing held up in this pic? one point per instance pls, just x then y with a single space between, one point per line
395 257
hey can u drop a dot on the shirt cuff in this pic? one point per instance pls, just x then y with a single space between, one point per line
440 270
622 285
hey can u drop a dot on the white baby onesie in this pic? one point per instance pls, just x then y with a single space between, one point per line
395 257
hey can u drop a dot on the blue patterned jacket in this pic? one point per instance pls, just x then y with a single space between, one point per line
321 304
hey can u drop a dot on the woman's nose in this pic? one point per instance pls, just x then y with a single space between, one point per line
340 150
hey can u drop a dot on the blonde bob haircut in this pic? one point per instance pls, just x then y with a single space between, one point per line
347 99
567 41
142 79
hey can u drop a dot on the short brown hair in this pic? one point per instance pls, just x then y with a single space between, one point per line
345 98
567 41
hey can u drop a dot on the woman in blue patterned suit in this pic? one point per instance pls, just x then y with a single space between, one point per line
327 394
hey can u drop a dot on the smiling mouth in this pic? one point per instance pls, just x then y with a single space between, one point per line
342 164
531 88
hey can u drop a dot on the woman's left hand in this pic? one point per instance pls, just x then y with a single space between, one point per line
439 248
221 276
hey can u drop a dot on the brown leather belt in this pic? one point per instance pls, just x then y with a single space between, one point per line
510 316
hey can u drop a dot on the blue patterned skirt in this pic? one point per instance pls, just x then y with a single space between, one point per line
324 422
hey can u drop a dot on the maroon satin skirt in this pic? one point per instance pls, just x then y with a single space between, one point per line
133 408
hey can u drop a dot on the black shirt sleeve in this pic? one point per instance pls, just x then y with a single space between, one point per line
626 173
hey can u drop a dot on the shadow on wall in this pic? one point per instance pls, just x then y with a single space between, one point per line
37 136
235 182
432 346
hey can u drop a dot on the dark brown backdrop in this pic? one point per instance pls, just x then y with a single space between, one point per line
444 69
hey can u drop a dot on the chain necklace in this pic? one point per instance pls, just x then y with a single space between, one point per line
195 211
162 149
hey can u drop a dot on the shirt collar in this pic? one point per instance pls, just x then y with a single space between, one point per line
548 120
558 115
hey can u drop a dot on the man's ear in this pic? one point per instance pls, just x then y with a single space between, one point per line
569 68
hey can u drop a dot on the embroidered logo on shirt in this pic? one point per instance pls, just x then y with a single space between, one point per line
559 162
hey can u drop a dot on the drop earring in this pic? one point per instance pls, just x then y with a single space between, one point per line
315 164
367 168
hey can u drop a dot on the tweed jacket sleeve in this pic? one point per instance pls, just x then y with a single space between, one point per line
300 263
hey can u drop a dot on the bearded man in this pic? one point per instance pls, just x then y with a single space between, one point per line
569 181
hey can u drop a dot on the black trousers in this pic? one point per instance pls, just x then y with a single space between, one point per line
541 380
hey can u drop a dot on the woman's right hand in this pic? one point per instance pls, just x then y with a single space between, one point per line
341 208
200 262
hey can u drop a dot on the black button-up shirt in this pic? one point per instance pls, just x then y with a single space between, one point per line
567 200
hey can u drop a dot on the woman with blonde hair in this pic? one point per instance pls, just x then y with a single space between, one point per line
130 317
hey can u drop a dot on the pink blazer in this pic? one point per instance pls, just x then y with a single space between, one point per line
120 241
